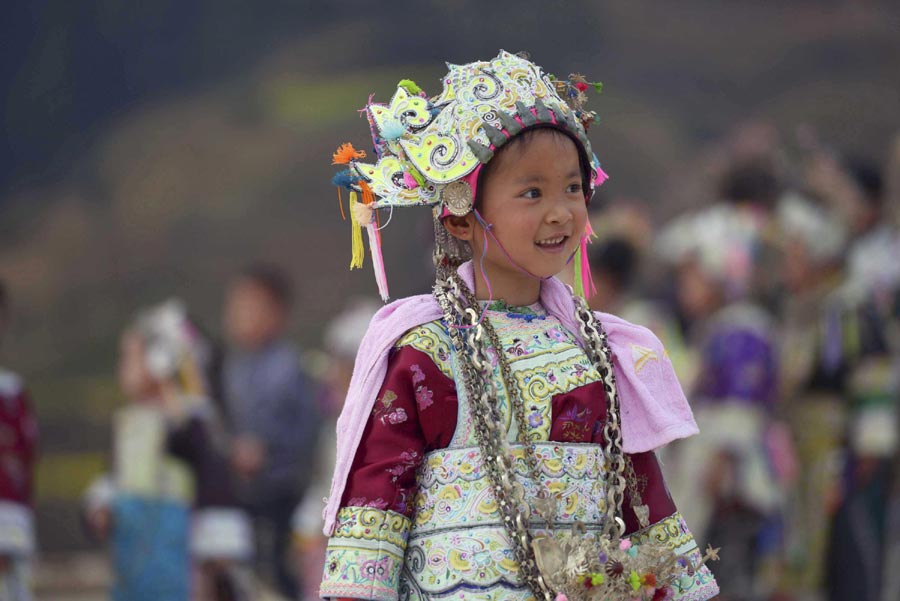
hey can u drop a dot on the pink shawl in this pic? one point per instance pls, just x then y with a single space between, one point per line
654 409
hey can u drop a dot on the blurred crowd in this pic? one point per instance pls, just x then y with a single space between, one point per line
778 300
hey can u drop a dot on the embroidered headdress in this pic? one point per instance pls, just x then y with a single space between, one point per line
430 151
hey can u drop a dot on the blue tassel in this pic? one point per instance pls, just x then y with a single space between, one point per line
345 179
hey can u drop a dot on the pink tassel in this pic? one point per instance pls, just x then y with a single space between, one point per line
377 260
601 177
582 263
409 181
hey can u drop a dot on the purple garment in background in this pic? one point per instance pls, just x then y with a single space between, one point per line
739 363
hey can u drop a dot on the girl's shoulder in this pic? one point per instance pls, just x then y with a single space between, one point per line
394 321
430 339
624 332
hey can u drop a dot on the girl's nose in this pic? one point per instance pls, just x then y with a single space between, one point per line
560 212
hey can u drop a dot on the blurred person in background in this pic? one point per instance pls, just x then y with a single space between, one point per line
143 506
858 366
725 479
613 269
272 413
819 340
752 187
855 189
169 452
341 343
18 449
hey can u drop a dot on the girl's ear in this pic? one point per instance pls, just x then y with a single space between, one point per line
461 227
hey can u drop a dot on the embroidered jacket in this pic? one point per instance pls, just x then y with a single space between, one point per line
418 519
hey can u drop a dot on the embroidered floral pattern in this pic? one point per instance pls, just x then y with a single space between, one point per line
432 339
424 397
454 491
365 554
378 503
386 412
417 374
458 546
576 422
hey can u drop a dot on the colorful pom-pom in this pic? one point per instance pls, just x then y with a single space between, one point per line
634 580
346 153
363 214
582 86
345 179
410 86
409 181
392 129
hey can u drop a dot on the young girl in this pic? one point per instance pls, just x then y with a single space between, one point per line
167 453
497 440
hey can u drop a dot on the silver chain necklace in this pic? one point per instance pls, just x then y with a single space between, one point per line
458 303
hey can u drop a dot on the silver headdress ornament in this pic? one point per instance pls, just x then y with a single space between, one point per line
430 151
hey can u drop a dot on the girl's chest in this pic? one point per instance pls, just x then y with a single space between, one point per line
549 385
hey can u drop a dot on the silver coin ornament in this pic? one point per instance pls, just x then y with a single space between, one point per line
457 197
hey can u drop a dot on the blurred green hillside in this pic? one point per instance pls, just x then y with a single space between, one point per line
173 194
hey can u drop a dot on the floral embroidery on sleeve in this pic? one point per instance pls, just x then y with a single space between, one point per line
424 395
386 412
383 475
378 503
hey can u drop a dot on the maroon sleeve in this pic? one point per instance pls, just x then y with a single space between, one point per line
18 448
649 483
647 480
415 412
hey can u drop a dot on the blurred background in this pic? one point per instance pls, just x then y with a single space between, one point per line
155 149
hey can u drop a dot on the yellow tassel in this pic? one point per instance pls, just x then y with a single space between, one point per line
357 252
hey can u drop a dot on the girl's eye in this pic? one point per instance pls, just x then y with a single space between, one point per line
574 188
531 193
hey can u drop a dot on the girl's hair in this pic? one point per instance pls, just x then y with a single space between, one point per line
519 143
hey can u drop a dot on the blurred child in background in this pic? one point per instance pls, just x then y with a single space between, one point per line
168 453
271 411
18 443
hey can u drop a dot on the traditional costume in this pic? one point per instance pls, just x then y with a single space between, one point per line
18 446
488 451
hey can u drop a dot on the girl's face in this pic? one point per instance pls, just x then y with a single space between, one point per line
535 202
